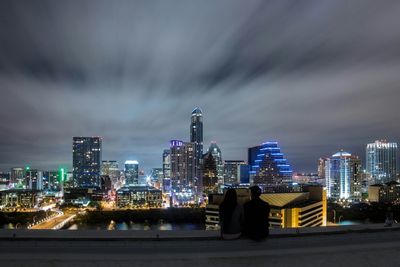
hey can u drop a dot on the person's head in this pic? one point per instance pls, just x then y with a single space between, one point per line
229 203
255 192
230 196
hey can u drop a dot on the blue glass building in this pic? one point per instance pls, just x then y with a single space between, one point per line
269 165
86 159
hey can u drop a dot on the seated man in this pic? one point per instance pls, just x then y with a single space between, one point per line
256 216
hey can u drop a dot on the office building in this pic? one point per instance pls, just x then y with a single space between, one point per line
381 161
131 172
306 208
217 155
183 163
166 161
343 176
209 173
34 179
299 209
86 160
17 176
269 165
385 193
196 137
51 180
18 198
321 168
244 173
232 171
139 197
156 175
110 168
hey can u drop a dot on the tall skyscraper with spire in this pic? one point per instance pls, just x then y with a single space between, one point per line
196 137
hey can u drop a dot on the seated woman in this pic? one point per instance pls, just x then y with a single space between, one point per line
231 216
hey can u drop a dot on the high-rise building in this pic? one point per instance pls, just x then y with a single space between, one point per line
232 171
217 155
244 174
110 168
166 161
86 160
270 167
131 172
209 170
183 163
51 180
17 176
34 179
381 161
343 176
321 169
196 137
156 175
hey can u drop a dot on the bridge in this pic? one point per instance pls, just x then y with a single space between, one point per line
55 222
368 245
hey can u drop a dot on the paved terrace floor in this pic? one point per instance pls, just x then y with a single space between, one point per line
375 246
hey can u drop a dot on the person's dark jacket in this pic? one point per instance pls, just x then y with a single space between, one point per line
256 219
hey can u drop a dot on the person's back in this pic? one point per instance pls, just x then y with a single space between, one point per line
256 216
231 216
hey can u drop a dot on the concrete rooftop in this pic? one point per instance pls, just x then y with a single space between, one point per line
377 246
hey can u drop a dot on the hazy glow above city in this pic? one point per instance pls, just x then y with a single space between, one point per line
317 76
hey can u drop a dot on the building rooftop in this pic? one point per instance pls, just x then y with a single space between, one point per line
284 199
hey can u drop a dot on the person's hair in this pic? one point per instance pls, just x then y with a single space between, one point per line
255 191
228 205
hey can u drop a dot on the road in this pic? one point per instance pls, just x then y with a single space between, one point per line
350 249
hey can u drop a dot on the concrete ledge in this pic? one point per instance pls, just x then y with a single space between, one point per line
131 235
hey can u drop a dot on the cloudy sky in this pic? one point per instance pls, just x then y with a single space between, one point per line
317 76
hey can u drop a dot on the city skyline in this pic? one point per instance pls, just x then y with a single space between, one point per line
290 72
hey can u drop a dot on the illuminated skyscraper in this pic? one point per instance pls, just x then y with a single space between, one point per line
34 179
17 176
110 168
209 171
382 161
166 161
232 171
131 172
196 137
343 176
269 167
86 160
217 155
183 163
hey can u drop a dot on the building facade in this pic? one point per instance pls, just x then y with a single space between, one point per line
217 155
343 176
209 173
139 197
269 165
307 208
196 137
166 163
183 163
381 161
131 172
386 193
34 179
17 176
86 160
232 171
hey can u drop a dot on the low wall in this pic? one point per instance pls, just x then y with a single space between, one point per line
24 234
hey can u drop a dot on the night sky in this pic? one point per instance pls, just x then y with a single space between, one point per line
317 76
